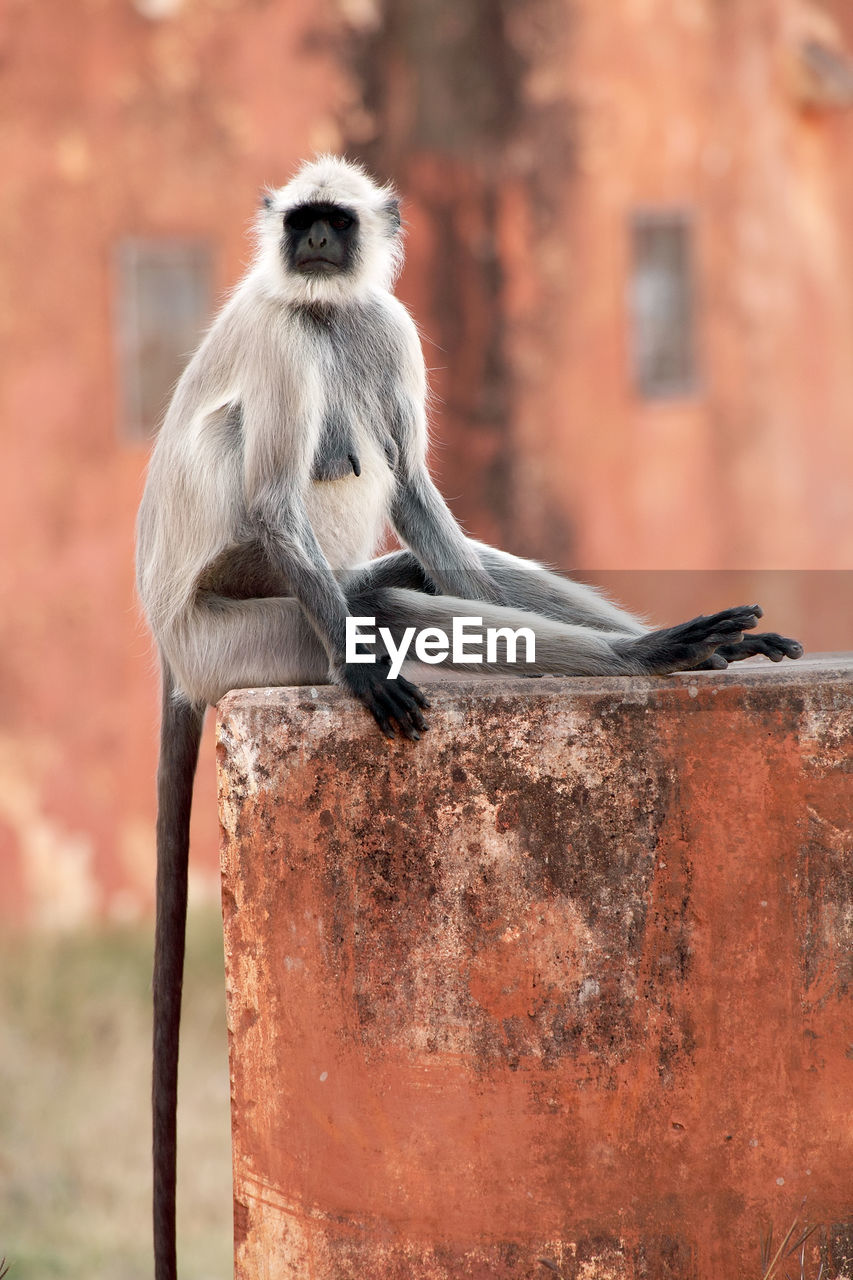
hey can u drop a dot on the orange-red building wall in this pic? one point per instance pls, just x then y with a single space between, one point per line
523 144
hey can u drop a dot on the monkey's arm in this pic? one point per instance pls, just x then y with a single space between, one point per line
424 522
418 512
287 535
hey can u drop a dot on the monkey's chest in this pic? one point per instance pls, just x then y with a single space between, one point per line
352 481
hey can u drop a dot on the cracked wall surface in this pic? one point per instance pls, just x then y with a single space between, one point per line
564 986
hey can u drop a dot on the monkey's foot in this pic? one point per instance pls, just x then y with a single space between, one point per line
692 644
768 643
390 702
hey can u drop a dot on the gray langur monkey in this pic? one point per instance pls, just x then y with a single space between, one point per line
296 436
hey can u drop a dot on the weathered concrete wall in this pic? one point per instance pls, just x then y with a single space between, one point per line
562 989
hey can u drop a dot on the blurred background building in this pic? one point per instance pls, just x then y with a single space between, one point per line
630 251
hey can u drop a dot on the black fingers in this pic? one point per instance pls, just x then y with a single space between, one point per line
413 691
692 645
716 662
768 643
725 624
394 704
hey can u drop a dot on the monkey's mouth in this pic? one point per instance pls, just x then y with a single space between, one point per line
319 265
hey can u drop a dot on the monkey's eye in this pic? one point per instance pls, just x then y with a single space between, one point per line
300 219
303 219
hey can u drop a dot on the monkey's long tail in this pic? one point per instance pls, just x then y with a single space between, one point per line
180 735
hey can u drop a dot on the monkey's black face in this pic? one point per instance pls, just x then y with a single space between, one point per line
320 239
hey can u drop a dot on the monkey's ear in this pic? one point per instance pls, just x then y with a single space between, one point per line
267 200
392 212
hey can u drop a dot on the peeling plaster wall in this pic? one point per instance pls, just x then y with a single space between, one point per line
569 979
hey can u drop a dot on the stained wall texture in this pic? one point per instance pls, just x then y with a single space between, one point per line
527 139
561 989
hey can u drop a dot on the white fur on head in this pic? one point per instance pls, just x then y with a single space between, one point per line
379 252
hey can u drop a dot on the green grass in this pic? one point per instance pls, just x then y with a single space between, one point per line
75 1015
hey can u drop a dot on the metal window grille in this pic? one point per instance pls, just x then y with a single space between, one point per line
662 305
164 298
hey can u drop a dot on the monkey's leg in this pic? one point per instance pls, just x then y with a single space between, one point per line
527 585
221 644
392 590
563 648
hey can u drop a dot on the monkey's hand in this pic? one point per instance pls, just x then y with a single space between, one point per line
390 702
701 643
